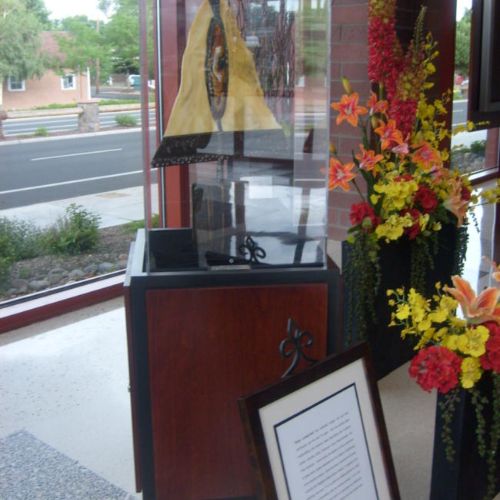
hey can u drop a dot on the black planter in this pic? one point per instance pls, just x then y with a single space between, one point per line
388 349
466 477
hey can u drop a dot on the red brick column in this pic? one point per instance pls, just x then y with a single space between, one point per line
349 58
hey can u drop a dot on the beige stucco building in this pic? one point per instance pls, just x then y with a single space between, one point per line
52 87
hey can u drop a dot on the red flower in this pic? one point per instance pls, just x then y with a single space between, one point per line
465 193
427 199
436 367
362 211
413 231
491 360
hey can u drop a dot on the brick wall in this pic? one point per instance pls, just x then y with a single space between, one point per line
349 58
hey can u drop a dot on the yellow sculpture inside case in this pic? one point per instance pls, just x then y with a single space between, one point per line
219 96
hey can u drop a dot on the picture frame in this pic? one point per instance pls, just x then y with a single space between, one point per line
321 433
484 80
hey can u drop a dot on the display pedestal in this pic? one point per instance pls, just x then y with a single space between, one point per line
466 477
199 340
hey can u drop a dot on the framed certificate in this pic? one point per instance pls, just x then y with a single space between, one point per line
321 434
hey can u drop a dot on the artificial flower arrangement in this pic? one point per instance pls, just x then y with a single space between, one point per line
410 193
455 353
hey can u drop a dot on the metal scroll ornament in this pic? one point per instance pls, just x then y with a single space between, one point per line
252 251
216 65
294 346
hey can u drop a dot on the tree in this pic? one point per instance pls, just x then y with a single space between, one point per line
37 7
83 46
462 43
20 43
122 35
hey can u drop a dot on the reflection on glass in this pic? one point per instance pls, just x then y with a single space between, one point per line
477 150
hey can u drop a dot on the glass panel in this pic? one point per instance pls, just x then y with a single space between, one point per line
478 150
249 124
70 200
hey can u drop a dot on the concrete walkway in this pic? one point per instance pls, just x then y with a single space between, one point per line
114 207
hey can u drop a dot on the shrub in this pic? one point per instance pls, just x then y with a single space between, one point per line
126 120
41 132
76 232
18 240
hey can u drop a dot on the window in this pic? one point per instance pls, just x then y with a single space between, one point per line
68 82
16 84
475 152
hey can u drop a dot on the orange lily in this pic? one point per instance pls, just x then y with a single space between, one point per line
477 309
376 106
389 135
427 157
368 159
340 175
349 109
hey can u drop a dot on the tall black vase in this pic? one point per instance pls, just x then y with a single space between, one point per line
388 350
466 477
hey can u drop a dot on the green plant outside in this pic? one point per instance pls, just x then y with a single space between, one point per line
41 132
126 120
76 232
18 240
133 226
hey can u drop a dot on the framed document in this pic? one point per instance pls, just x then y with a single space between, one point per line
320 435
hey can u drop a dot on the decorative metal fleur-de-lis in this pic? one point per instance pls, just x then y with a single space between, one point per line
294 345
250 248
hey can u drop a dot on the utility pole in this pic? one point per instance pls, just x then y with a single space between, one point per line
97 64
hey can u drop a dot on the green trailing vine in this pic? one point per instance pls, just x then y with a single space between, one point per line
492 451
364 263
460 250
422 259
478 403
448 405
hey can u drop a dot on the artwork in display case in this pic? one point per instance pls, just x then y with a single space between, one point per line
249 122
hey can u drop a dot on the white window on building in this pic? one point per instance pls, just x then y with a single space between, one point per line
68 82
16 84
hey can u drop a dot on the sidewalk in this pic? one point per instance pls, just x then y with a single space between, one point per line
114 207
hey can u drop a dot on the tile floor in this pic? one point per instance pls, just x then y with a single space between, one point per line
65 381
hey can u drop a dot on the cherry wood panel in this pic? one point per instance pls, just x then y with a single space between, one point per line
208 347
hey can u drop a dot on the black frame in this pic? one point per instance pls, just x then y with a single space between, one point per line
250 406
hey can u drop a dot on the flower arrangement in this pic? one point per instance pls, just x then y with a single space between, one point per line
410 194
455 353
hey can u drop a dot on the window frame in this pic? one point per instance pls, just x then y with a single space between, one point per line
10 81
63 81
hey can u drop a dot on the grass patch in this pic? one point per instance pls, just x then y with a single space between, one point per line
126 120
115 102
57 106
133 226
41 132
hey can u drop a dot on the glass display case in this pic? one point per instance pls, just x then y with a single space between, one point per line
243 101
241 165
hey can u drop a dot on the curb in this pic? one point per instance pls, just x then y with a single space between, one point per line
17 115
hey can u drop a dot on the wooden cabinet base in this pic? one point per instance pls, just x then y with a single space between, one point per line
193 351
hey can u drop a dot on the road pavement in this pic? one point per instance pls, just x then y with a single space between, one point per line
47 170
